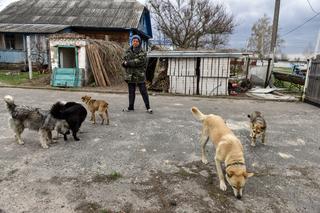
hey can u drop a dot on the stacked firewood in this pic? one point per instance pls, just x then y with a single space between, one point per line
105 58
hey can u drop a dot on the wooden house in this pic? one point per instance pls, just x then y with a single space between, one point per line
115 19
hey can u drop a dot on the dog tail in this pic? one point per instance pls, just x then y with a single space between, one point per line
10 102
197 114
57 110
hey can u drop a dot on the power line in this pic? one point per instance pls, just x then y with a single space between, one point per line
294 29
311 7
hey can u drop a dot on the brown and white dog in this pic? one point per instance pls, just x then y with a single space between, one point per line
258 127
99 106
228 150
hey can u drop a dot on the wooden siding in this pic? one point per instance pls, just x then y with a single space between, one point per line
2 41
313 87
211 86
182 66
12 56
121 37
211 80
215 67
186 85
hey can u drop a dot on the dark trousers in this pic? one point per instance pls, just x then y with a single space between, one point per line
132 94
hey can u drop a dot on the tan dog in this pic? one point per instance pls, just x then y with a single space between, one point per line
99 106
228 150
258 127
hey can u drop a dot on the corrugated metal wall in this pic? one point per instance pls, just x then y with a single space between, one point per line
182 75
211 80
214 74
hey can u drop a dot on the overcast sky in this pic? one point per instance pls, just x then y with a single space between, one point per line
292 14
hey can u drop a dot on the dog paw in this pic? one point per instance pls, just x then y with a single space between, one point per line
45 146
223 186
20 142
253 144
54 141
205 161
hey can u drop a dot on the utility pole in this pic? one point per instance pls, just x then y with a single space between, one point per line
275 26
316 49
273 40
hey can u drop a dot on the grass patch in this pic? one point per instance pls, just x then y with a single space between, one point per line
283 69
289 87
17 78
106 178
115 175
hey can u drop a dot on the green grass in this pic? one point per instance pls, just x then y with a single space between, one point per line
17 78
115 175
283 69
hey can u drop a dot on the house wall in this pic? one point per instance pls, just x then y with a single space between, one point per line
39 49
12 56
18 41
121 37
2 42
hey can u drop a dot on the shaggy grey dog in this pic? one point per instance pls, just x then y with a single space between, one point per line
34 119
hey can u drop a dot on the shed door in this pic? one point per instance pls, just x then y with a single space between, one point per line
67 74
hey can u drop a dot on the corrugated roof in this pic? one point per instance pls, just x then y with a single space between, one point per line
77 13
192 54
31 28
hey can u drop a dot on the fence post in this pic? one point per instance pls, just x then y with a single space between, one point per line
306 82
29 57
267 75
247 68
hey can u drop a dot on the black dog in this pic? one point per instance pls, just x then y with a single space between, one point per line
74 113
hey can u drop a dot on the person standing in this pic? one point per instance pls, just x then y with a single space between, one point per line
135 63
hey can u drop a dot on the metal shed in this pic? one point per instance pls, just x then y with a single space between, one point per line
197 72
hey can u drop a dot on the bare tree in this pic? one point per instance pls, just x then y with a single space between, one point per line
192 23
260 39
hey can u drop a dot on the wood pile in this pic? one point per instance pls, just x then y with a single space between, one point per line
160 80
105 58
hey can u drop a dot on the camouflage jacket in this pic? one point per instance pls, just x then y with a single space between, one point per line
136 66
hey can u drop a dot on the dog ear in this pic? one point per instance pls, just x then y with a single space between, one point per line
230 174
248 174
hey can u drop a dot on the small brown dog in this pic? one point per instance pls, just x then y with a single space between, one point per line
100 106
258 127
228 150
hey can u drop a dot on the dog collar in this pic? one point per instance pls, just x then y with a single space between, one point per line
235 163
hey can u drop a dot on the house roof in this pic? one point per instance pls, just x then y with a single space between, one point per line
31 28
75 13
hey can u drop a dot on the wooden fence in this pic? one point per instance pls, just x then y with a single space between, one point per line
313 82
